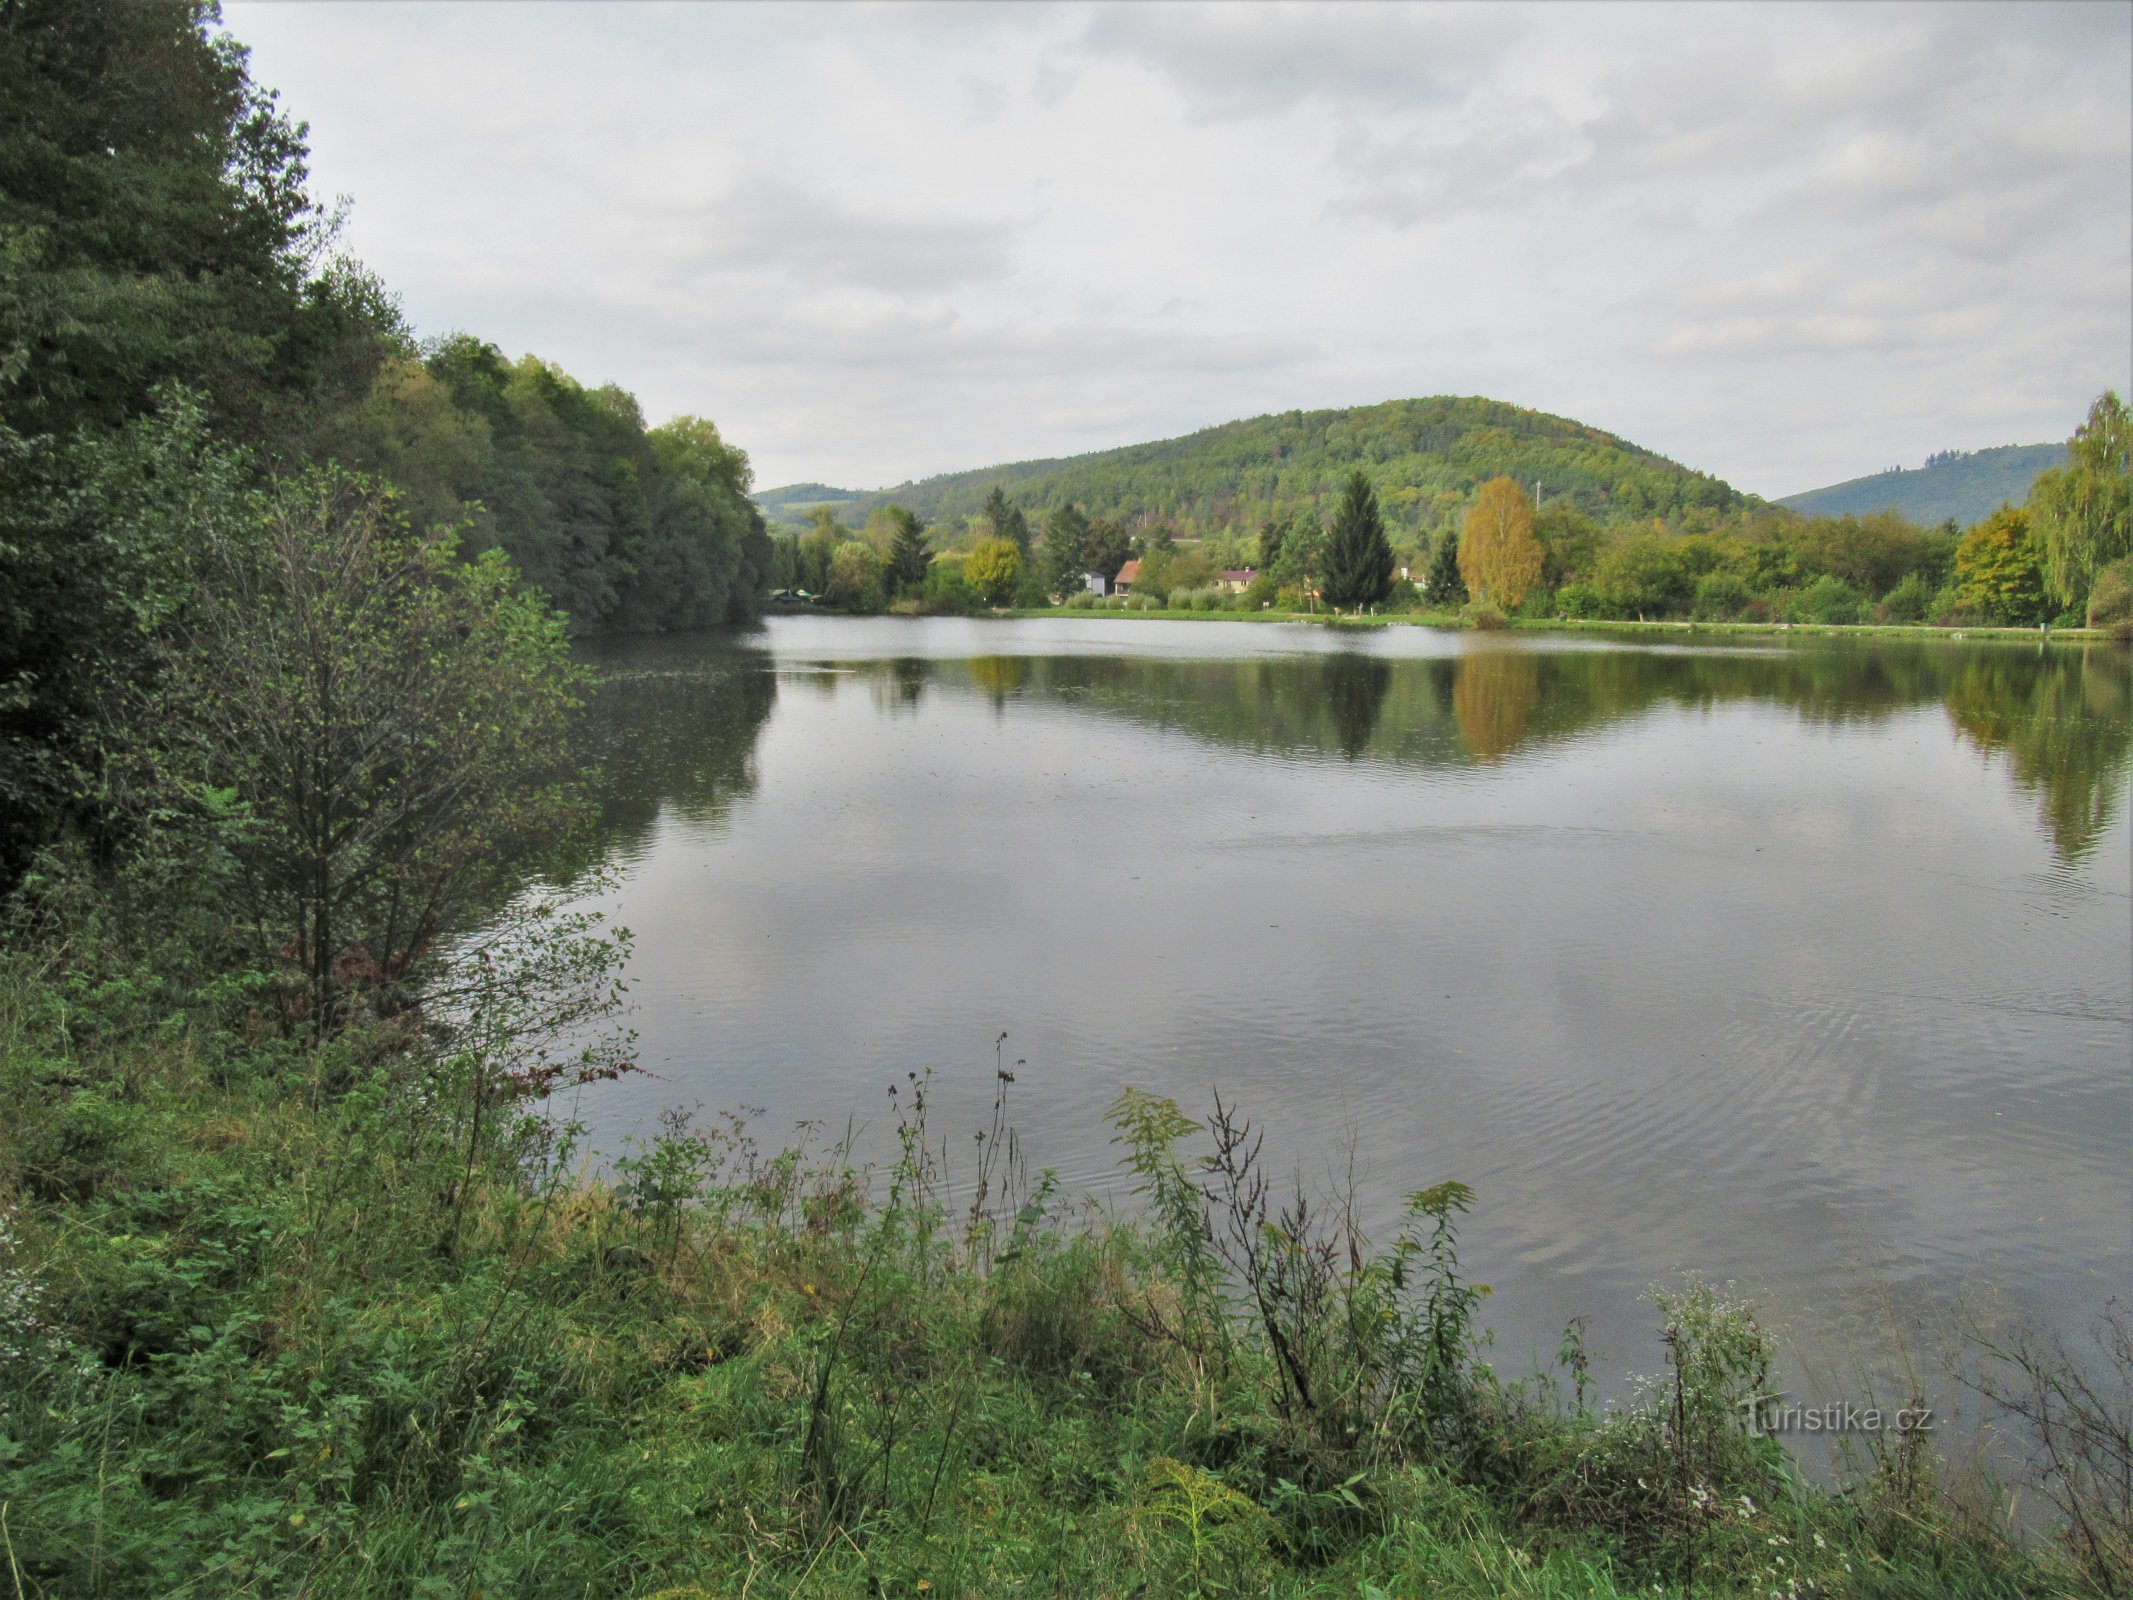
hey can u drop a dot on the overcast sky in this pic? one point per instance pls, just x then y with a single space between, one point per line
1786 244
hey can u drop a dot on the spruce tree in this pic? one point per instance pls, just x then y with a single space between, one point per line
909 555
1445 586
1358 565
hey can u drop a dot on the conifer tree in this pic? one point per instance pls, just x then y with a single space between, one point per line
1446 587
1066 533
1358 563
1007 521
909 555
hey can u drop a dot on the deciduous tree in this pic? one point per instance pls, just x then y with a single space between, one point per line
993 569
1499 558
2081 510
1999 569
385 719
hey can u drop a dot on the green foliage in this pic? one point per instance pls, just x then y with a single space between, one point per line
1828 601
1425 456
1068 551
2084 510
1999 571
1357 568
2111 598
1643 576
1003 519
234 1358
857 578
385 719
155 229
627 529
994 571
1444 587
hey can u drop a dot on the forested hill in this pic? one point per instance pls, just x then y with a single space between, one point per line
1960 485
1426 457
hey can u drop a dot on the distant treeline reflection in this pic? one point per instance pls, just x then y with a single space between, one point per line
676 723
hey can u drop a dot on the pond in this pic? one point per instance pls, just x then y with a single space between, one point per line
1804 965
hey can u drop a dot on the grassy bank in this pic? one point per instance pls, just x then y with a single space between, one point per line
335 1320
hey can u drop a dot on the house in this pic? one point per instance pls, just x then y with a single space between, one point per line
1123 583
1237 580
1096 583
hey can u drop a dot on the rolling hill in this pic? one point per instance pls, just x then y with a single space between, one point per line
1426 456
1962 485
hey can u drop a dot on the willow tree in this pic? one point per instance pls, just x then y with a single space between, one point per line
2080 510
1498 556
1357 568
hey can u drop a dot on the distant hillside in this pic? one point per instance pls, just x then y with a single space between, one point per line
1963 484
1427 457
793 502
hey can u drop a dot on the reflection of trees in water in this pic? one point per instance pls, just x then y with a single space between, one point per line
2063 716
676 720
2061 719
673 721
999 676
1355 694
1493 696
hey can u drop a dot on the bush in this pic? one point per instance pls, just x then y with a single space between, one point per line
1261 593
948 593
1082 600
1909 601
1485 615
1720 597
1828 601
1579 600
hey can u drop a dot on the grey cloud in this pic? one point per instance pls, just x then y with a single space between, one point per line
1238 61
812 238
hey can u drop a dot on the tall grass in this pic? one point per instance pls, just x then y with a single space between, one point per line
330 1321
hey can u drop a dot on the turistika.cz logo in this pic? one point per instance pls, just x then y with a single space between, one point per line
1768 1414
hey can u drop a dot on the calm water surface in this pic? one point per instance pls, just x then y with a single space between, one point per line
1806 966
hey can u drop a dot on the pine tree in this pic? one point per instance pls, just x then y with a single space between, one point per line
1358 564
1445 587
909 555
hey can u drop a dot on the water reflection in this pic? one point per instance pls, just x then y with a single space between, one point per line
672 725
1738 958
676 719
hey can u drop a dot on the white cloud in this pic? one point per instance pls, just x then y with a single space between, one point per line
1787 244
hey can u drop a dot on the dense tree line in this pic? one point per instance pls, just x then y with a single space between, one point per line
1545 539
179 334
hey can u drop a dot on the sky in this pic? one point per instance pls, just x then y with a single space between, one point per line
1787 244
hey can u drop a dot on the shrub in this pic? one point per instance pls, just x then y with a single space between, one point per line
1579 600
1909 601
948 593
1082 600
1485 615
1720 596
1828 601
